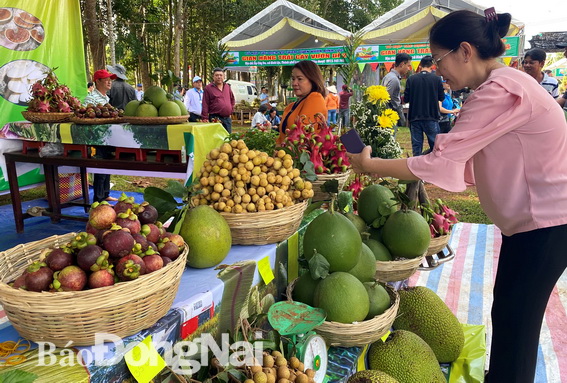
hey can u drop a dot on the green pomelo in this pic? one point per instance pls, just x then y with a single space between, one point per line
371 376
424 313
357 222
375 201
156 95
208 236
406 357
406 234
365 269
182 107
343 297
169 108
304 289
146 110
379 299
130 108
335 237
381 252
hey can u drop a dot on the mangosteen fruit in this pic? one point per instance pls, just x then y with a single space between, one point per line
102 215
82 240
153 262
166 261
118 243
152 246
147 213
101 278
20 282
59 258
141 240
130 267
177 239
38 277
92 258
71 278
152 232
124 203
129 221
169 249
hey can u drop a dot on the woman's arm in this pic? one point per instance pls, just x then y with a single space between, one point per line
363 163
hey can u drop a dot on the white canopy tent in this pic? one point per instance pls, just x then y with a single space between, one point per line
284 25
411 21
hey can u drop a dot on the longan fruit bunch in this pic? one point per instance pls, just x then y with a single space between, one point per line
275 368
234 179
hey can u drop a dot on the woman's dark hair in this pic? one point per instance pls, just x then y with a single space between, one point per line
263 108
313 74
450 31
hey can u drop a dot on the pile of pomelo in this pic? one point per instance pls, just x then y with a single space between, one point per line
343 250
156 103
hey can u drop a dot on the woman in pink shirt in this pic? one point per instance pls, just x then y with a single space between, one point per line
510 139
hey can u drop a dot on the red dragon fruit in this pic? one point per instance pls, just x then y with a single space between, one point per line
317 160
58 93
42 106
63 107
38 90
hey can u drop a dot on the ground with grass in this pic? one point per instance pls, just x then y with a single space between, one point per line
466 203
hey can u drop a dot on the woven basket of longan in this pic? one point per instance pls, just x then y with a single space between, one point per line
261 197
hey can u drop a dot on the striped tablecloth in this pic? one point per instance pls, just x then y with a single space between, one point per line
466 284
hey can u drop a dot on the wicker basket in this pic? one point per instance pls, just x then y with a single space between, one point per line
361 333
122 310
155 120
265 227
322 178
437 244
46 117
95 121
393 271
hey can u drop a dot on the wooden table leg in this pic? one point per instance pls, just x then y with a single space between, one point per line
52 188
85 188
15 195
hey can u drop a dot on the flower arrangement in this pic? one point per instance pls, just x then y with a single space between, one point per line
374 121
440 217
326 151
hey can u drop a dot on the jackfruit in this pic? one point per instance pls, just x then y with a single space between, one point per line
406 357
422 311
371 376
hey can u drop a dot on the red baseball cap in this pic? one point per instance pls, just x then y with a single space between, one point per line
103 73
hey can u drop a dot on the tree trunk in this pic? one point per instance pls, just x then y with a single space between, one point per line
96 41
178 35
111 34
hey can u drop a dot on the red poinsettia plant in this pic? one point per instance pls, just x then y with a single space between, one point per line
326 151
440 217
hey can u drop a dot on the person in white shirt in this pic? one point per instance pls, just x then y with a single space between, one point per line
194 100
259 120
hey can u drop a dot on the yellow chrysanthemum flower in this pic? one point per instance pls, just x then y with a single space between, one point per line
388 119
377 94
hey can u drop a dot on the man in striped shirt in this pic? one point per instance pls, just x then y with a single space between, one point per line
534 61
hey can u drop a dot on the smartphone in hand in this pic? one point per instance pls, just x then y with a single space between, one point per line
352 141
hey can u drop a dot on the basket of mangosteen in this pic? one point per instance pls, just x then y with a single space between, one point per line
119 276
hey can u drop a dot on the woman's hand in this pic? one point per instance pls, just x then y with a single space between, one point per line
358 161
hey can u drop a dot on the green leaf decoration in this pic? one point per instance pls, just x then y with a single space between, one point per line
223 377
237 374
17 376
176 189
345 201
330 186
178 220
319 266
304 158
162 200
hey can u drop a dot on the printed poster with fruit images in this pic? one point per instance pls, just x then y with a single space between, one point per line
36 36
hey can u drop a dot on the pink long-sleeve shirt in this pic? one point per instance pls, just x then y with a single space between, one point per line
510 139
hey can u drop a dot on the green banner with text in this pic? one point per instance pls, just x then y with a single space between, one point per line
36 36
335 56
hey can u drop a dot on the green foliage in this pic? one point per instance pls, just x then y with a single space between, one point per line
348 70
257 139
219 56
17 376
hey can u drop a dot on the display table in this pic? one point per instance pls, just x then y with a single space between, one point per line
198 139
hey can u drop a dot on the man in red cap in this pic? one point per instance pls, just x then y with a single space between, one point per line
103 82
101 182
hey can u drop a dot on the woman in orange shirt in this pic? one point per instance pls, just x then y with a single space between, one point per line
309 87
332 101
